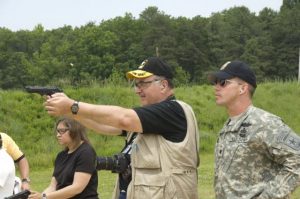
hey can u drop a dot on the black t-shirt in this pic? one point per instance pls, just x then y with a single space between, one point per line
166 118
82 159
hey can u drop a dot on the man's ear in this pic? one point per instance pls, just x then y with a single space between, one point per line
243 88
163 84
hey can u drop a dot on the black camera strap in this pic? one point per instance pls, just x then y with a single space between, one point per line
0 141
128 143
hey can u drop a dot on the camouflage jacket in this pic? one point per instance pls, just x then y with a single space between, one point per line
256 157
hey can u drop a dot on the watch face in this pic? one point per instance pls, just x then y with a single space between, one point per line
75 108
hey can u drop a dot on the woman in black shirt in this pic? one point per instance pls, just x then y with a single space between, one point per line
75 174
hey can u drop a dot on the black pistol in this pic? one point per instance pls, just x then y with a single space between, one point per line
21 195
43 90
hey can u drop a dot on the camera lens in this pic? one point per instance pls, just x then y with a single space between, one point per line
117 163
105 163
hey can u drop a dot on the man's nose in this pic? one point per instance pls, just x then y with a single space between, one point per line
137 89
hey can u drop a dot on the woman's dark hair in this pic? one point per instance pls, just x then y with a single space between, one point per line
77 131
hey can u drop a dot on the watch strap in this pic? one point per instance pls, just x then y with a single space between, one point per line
25 180
44 196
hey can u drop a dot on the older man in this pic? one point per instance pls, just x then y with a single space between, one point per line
164 156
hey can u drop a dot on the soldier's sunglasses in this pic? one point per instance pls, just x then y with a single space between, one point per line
223 82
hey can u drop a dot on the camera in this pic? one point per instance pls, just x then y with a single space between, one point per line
118 163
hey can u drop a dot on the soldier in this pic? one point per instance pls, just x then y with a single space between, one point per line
256 154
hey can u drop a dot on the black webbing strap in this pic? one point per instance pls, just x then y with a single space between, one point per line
0 141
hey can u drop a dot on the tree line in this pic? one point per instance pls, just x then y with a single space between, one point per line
268 41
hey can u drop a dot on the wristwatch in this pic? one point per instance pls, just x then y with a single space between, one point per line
44 196
27 180
75 107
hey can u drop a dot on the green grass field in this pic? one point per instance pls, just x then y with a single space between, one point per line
41 178
32 128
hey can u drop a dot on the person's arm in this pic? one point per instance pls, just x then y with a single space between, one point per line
114 116
49 189
80 182
284 150
24 173
18 156
100 128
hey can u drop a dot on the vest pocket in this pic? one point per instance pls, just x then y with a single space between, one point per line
145 153
154 186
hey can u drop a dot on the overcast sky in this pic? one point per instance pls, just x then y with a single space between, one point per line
26 14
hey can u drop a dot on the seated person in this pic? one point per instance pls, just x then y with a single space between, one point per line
75 174
7 174
9 145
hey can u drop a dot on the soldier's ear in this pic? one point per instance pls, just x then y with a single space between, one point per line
243 88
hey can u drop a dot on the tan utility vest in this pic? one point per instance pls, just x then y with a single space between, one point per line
162 169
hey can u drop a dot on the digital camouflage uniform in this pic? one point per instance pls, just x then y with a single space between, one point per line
257 156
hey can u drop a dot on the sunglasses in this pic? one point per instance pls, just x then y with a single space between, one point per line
223 82
62 131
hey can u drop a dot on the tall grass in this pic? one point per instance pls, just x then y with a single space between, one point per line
41 178
22 115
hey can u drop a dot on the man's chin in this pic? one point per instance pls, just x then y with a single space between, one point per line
219 103
143 101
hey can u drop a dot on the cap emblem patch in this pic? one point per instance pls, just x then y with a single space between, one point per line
143 64
224 65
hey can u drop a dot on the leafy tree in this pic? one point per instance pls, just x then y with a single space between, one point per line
260 50
13 71
158 33
105 51
286 40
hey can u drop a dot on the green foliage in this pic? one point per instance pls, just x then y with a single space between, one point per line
117 77
104 52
